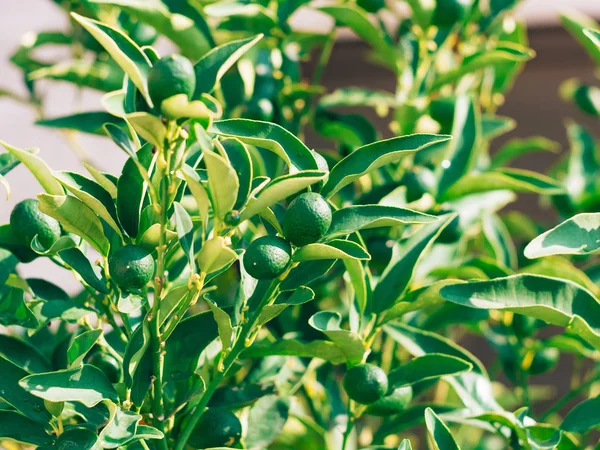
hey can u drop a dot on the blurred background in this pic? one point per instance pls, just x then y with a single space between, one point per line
534 102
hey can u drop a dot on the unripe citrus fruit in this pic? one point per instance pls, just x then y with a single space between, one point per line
544 360
27 221
171 75
131 267
450 12
267 257
393 403
365 383
78 438
107 364
218 427
307 219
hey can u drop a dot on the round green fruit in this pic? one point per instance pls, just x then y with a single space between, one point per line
267 257
78 438
232 218
218 427
171 75
524 326
131 267
365 383
450 12
27 221
307 219
543 361
107 364
393 403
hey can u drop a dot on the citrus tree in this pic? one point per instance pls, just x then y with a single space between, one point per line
242 290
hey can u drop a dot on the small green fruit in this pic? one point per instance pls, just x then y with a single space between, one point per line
267 257
365 383
307 219
232 218
218 427
450 12
107 364
78 438
171 75
27 221
393 403
131 267
544 360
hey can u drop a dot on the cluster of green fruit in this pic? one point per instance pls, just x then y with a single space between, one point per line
306 220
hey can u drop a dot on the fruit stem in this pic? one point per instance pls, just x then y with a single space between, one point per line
238 347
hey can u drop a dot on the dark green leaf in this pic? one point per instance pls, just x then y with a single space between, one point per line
21 429
88 122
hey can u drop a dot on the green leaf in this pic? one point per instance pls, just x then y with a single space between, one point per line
516 180
266 420
131 189
269 136
198 192
92 195
583 417
136 354
80 264
279 189
577 24
179 28
556 301
353 218
372 156
214 255
424 297
409 418
86 384
350 343
239 396
461 152
76 218
354 96
223 183
14 310
287 298
22 354
439 432
213 66
185 344
427 367
81 346
149 127
240 160
121 428
14 395
325 350
497 236
37 167
358 21
180 107
185 231
579 235
254 15
397 277
123 50
583 162
336 249
87 122
8 263
502 53
21 429
223 324
519 147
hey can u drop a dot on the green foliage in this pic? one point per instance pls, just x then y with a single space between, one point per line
239 289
